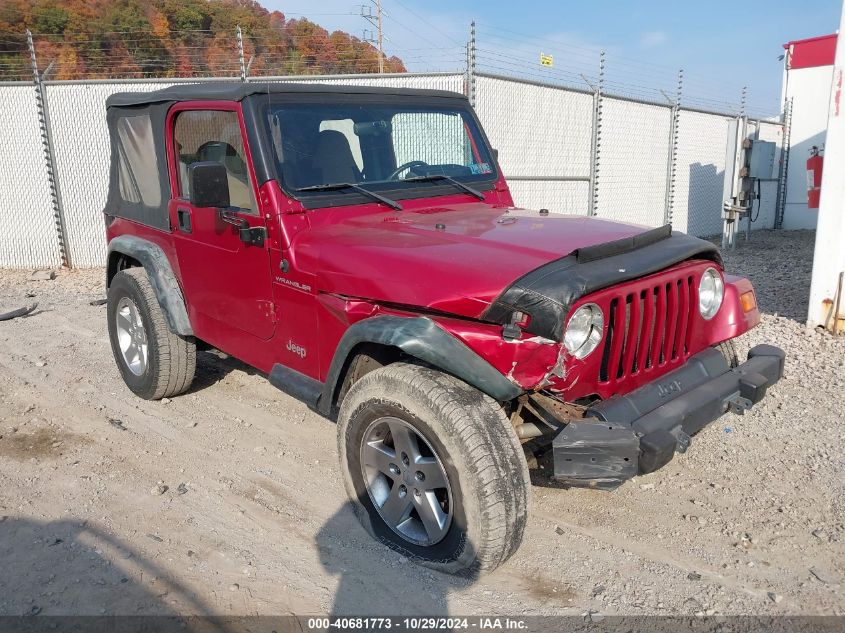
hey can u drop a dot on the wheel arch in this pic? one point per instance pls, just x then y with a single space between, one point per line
385 339
127 251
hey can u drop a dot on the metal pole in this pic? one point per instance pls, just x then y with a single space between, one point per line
672 162
783 166
744 116
241 53
49 155
471 65
595 150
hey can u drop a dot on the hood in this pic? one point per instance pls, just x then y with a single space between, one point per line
455 259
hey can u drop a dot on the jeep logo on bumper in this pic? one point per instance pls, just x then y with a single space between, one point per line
664 390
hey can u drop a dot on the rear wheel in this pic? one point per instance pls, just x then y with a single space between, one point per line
153 361
433 468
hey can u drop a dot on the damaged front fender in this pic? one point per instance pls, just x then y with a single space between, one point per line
528 362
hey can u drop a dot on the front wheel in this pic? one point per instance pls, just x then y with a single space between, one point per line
154 362
433 468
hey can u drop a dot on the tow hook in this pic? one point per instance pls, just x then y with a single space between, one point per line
682 440
739 405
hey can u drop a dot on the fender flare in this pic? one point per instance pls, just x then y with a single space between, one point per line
162 279
421 338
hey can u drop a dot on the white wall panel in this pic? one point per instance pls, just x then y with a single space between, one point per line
538 130
28 234
700 173
633 157
571 198
809 89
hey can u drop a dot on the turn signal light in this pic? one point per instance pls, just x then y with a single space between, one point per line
748 301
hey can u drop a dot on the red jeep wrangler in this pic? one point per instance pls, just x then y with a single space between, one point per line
361 247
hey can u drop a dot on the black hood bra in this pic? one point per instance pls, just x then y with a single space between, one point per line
549 292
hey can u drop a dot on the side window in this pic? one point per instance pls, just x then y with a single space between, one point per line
211 135
138 177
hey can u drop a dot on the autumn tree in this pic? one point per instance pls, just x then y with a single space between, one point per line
171 38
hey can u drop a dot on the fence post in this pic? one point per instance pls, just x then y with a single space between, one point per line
672 164
49 157
595 148
241 53
470 75
783 166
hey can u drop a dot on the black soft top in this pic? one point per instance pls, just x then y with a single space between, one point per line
236 91
139 181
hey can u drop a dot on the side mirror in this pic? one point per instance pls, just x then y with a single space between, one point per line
495 154
209 184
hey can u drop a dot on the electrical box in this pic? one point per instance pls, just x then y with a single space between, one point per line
761 163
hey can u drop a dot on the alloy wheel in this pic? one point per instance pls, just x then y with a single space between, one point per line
406 481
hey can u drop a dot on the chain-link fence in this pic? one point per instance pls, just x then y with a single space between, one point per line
543 135
633 158
572 146
28 235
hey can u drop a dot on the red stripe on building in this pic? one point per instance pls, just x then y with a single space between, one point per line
812 52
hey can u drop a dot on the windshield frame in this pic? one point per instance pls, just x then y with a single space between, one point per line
261 104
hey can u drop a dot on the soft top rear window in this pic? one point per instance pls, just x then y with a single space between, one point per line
138 175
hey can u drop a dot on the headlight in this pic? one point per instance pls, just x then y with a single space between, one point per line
584 330
711 291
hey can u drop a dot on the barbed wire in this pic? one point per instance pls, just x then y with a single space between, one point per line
171 53
624 76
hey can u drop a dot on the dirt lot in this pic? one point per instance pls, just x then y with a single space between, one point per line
227 500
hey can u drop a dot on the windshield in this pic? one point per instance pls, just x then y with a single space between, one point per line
380 147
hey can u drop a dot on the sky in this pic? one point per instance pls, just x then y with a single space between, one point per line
721 45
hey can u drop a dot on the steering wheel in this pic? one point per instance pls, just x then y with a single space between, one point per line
394 175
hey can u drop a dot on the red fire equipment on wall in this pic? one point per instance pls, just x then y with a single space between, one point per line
814 177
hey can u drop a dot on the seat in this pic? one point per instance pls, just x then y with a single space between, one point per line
240 192
333 159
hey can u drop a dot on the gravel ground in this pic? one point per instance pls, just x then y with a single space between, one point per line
226 500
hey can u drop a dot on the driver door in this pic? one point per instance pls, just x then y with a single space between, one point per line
227 282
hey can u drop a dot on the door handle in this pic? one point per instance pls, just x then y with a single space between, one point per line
183 219
248 235
229 217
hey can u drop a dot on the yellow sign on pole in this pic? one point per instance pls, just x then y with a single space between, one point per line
546 60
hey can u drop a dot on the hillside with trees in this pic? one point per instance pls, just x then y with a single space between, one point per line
92 39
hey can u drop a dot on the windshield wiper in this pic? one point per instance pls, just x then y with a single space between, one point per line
450 180
348 185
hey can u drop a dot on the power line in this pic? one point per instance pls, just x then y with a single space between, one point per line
424 21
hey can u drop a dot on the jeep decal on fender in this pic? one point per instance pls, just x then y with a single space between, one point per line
296 349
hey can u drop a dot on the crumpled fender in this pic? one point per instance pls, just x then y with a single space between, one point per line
163 281
422 338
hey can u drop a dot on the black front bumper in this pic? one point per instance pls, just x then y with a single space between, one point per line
639 432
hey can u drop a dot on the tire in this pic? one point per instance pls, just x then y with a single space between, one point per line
170 360
728 350
469 435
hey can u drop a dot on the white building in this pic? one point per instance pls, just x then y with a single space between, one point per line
807 77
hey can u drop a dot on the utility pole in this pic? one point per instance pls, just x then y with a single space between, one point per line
375 20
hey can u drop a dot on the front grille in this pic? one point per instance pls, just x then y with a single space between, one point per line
648 328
